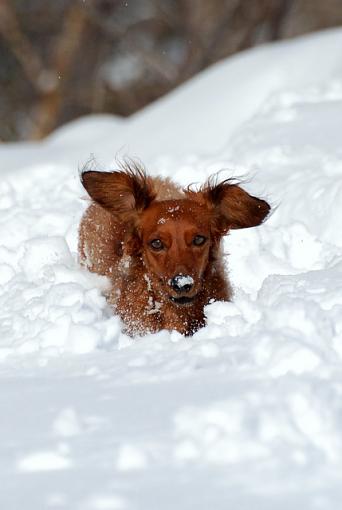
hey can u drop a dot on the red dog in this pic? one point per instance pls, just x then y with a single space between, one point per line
160 245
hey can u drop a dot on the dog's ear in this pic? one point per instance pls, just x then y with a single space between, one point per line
231 206
122 193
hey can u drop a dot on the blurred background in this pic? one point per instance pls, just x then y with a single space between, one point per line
63 59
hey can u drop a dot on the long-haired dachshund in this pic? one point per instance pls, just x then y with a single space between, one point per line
160 245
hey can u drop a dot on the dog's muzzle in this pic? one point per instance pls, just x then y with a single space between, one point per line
183 300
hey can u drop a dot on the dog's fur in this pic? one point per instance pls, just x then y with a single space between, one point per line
166 284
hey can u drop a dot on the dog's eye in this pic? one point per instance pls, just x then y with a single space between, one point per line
156 244
199 240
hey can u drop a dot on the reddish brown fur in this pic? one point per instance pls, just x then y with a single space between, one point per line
129 210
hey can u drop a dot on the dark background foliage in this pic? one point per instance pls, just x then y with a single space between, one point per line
63 59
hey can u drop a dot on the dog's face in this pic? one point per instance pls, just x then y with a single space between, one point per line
176 239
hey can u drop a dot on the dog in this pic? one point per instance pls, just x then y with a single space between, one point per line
160 245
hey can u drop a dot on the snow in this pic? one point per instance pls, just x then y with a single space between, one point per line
185 280
248 412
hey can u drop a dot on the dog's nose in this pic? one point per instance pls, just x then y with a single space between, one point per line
182 283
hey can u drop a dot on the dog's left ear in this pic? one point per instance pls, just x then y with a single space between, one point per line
232 207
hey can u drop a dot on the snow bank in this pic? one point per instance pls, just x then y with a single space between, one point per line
245 414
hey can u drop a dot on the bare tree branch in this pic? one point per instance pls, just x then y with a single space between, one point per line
63 58
20 45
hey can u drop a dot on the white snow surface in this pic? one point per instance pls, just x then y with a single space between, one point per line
246 414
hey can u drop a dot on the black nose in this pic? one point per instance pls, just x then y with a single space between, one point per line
182 283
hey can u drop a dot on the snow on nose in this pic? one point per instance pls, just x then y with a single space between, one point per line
182 283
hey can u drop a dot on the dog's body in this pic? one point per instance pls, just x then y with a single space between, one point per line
160 245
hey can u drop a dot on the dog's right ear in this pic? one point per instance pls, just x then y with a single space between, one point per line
122 193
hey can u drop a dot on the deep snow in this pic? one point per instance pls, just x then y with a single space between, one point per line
247 413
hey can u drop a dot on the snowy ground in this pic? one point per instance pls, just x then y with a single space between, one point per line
245 415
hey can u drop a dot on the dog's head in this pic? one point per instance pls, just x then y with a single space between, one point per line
176 239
